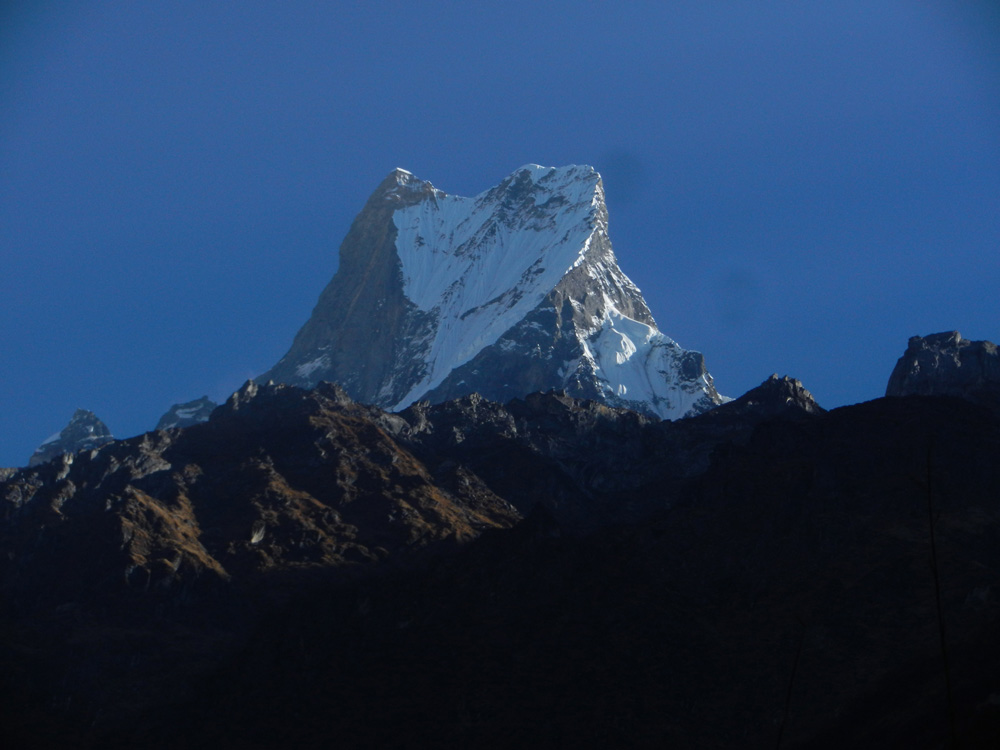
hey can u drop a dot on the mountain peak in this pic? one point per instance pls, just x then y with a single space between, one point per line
536 186
187 413
945 364
84 431
511 291
776 396
402 187
566 173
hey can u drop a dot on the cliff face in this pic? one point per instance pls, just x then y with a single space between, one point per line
945 364
358 332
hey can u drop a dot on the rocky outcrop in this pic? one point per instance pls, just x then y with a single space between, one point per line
945 364
84 432
187 414
775 397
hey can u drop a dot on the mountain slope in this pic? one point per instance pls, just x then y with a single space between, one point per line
278 478
513 291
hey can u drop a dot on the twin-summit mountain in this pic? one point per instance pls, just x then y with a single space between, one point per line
513 291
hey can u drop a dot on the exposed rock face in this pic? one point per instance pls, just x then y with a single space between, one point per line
514 291
84 432
187 414
945 364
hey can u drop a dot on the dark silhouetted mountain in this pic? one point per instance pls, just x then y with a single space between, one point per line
550 572
785 599
775 397
514 291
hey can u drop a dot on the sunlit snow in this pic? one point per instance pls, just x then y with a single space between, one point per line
635 362
478 266
481 266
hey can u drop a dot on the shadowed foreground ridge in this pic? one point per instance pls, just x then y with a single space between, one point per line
302 569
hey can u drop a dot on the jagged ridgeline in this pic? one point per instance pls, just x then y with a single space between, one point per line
549 572
513 291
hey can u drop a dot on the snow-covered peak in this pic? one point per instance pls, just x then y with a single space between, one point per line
479 265
511 291
406 178
573 182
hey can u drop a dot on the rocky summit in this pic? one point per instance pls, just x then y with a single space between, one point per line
513 291
84 431
187 413
945 364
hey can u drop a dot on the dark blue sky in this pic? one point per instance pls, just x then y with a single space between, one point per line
796 187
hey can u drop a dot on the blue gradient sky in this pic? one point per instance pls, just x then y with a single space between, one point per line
796 187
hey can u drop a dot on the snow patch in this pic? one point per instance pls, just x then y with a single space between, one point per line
308 368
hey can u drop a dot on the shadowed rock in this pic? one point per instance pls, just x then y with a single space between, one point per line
288 572
945 364
776 396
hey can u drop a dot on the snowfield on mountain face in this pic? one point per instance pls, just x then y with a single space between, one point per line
480 265
307 369
636 363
